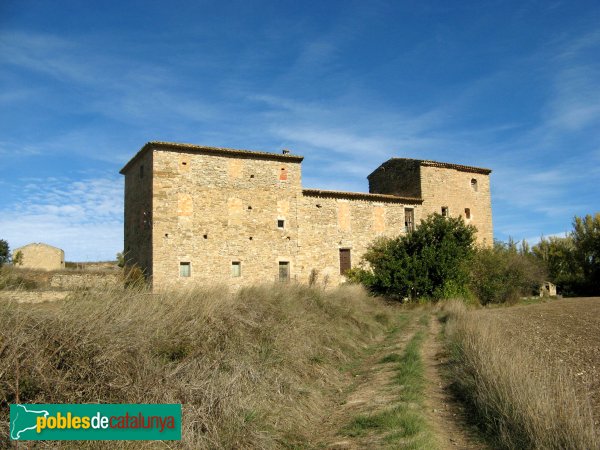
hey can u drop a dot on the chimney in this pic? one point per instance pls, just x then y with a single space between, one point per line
285 151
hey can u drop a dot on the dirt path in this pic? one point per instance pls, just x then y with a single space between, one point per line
445 414
372 391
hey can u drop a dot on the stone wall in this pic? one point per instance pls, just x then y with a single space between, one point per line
463 191
215 210
397 176
218 211
138 213
451 188
330 222
40 256
96 281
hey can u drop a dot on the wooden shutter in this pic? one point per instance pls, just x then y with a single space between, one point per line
409 219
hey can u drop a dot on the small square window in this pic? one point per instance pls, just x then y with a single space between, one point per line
236 269
185 269
474 184
467 213
445 211
280 223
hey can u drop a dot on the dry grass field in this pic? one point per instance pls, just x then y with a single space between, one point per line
566 331
528 373
288 366
256 369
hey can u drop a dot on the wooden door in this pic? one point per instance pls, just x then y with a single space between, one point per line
345 262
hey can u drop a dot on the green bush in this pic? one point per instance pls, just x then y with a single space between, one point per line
428 262
500 274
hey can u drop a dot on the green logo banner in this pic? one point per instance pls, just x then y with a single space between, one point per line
95 422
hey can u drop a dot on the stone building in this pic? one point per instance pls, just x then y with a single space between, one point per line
40 256
196 214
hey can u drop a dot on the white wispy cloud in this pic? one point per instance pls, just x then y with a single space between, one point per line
344 134
84 217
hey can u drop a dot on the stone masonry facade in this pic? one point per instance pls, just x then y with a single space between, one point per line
210 215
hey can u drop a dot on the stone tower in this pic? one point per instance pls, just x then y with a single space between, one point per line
448 189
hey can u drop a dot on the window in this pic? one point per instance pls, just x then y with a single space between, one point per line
345 263
185 269
284 271
280 223
142 171
409 219
445 211
236 269
467 213
474 184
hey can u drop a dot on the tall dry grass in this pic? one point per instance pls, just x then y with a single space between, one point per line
253 369
522 400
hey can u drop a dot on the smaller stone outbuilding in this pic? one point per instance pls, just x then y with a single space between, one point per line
39 256
548 289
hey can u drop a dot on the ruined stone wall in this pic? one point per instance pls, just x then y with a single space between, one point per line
451 188
138 214
328 224
92 281
41 256
211 210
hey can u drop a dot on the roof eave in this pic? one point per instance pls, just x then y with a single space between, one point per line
210 150
442 165
362 196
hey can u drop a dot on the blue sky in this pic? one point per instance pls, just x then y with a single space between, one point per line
509 85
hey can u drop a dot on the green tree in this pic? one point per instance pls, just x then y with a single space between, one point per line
4 252
559 257
428 262
573 261
586 239
501 274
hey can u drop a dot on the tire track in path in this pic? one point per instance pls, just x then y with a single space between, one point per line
445 413
372 392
